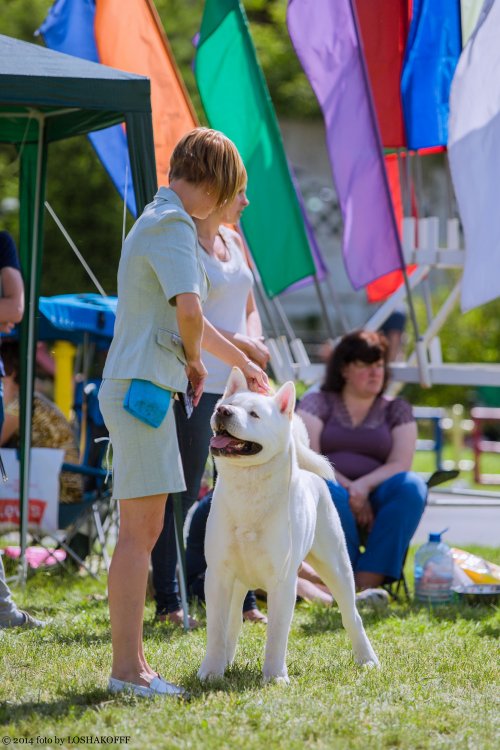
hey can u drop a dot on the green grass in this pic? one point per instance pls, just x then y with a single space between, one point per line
438 686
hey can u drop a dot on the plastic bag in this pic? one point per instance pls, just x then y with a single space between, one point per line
469 569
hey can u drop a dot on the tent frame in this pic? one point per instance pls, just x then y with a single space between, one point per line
47 96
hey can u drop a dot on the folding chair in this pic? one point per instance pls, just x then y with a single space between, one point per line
95 513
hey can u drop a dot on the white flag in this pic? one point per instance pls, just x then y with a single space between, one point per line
474 154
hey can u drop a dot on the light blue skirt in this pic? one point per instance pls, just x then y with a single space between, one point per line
146 460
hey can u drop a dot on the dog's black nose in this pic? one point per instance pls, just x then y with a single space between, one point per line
223 411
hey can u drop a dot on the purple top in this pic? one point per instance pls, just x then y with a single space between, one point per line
356 451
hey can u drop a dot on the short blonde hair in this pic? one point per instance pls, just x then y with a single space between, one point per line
208 156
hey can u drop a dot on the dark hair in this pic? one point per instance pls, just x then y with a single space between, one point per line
10 357
358 346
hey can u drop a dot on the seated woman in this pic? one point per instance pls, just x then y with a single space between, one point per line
50 428
370 441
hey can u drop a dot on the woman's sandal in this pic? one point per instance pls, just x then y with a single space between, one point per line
177 618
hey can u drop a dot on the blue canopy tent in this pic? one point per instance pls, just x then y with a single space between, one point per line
73 316
47 96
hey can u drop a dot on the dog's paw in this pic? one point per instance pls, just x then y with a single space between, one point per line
276 679
368 661
211 671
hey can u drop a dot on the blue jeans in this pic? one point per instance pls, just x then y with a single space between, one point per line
194 439
398 504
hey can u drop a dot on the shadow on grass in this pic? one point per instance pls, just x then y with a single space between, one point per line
239 678
72 703
322 618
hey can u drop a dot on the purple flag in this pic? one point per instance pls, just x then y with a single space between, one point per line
327 42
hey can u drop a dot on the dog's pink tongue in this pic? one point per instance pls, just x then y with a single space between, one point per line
221 441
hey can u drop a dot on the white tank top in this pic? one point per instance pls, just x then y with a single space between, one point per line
225 306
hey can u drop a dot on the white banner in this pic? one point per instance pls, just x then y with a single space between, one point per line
43 508
474 154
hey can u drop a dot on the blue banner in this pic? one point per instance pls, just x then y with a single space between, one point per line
69 28
432 51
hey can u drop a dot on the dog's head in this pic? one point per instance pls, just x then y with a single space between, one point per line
250 427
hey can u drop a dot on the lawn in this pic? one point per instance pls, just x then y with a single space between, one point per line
438 686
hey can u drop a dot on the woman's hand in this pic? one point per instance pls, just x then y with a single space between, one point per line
253 347
256 378
196 373
359 502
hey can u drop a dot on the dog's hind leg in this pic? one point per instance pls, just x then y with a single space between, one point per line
330 559
218 594
280 606
235 620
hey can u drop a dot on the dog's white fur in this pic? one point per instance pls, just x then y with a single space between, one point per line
270 511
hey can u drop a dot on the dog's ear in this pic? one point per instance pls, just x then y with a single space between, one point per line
285 398
235 382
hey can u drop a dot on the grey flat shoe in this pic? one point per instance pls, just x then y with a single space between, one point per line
376 599
157 686
28 623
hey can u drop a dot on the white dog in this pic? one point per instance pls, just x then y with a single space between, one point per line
270 511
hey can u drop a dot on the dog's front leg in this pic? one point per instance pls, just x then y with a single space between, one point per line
218 594
280 606
235 620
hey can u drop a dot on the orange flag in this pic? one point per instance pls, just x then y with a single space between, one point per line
133 40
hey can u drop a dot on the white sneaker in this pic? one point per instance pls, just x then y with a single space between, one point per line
157 686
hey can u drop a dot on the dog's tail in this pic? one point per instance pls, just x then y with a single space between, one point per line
306 457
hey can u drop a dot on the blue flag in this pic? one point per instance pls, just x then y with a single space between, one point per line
432 51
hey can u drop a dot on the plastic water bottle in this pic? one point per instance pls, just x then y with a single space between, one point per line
434 571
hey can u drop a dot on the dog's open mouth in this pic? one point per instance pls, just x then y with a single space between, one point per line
224 444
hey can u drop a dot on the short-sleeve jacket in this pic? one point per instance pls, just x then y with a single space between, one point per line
160 259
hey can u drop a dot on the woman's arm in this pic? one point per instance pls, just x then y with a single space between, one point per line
12 300
218 345
254 323
190 321
404 441
314 427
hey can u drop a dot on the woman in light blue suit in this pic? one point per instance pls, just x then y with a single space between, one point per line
156 351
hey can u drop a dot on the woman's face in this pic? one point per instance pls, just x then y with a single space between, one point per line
364 379
203 201
231 214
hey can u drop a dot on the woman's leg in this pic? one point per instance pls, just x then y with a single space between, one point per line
10 615
340 498
194 437
140 525
398 504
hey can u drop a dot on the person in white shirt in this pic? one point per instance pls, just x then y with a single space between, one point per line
230 307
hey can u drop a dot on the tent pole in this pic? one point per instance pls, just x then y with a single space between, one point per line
28 384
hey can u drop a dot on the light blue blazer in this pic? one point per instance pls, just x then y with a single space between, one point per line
160 259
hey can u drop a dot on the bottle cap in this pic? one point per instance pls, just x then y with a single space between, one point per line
435 537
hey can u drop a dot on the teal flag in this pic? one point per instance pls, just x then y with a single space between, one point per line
237 102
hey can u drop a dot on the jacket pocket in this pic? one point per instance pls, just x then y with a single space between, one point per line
172 341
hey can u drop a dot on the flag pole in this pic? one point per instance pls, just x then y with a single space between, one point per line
419 342
324 308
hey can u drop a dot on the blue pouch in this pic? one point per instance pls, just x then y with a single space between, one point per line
147 402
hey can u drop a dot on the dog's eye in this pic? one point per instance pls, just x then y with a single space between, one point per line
254 414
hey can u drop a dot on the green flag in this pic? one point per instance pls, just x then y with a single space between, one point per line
236 101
